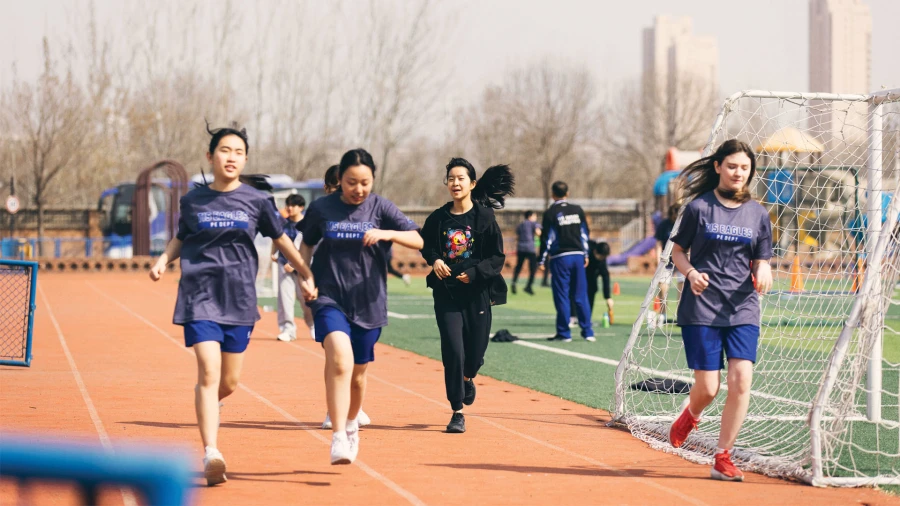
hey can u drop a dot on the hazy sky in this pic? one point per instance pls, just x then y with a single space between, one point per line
762 44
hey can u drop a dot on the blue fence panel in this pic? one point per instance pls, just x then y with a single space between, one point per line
18 283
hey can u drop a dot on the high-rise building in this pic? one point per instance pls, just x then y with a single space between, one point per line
680 70
840 46
840 61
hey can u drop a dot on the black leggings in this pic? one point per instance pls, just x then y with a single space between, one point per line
465 328
532 266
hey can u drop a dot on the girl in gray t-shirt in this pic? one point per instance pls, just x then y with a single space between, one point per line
729 238
216 302
352 229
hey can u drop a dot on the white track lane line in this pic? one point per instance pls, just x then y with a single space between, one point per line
309 429
127 496
540 442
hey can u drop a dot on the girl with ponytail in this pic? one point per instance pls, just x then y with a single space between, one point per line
463 244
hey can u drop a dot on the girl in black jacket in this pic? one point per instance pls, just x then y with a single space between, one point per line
463 244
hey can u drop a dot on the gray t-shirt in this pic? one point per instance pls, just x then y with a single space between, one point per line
722 243
525 236
349 276
218 257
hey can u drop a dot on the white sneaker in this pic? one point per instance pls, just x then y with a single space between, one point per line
590 339
284 336
214 467
340 449
407 279
353 437
361 417
573 323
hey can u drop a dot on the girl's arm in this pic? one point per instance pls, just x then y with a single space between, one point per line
429 240
699 281
409 238
296 260
172 253
762 271
286 247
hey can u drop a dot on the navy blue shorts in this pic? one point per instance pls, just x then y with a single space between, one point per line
233 338
704 345
330 319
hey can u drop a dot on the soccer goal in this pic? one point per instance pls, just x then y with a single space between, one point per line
824 403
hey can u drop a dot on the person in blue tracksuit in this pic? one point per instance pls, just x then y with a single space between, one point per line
564 244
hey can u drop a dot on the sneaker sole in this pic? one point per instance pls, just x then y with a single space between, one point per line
343 461
716 475
456 431
215 472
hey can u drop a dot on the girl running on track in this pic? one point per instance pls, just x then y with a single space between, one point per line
729 237
463 244
216 302
333 184
353 229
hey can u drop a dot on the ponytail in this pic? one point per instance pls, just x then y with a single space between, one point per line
495 185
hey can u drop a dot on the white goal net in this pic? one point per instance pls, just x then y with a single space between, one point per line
824 403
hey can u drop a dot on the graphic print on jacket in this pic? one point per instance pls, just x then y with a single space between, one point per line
458 244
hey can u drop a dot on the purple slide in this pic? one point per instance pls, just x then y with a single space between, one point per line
641 248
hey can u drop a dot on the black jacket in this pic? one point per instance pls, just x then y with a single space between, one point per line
485 265
565 231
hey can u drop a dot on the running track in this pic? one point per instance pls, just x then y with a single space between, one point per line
128 376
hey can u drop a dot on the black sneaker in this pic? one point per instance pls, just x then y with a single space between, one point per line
560 338
469 397
513 288
457 424
528 290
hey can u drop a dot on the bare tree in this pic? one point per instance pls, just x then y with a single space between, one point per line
51 116
536 119
399 73
640 123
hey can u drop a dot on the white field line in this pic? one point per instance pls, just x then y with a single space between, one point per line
665 374
127 496
309 429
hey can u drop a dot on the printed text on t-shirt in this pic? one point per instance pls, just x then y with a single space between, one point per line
728 233
347 229
223 219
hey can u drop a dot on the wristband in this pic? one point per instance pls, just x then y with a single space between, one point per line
689 272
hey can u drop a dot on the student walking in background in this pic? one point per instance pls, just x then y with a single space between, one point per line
526 232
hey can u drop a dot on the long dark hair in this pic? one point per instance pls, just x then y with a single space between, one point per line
700 177
495 184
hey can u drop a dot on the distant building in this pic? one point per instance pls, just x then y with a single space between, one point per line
840 61
680 69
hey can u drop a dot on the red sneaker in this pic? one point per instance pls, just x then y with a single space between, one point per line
724 469
682 426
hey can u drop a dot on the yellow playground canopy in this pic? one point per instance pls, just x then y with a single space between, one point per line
790 140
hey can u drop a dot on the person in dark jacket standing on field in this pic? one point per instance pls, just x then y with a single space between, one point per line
564 243
463 244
